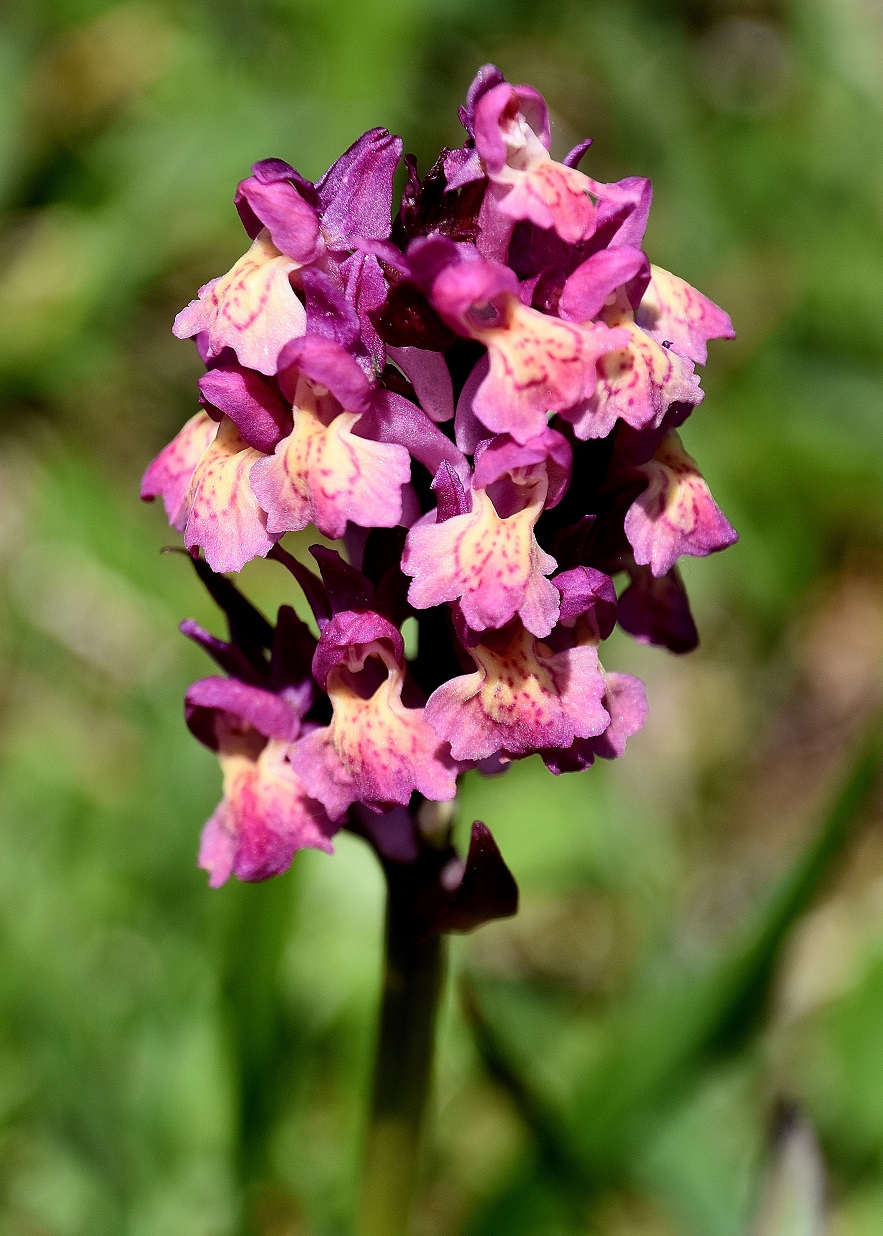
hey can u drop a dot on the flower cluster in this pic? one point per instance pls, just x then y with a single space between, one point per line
480 395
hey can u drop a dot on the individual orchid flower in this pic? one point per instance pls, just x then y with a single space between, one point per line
253 309
521 698
481 549
250 719
675 514
265 815
538 364
375 750
323 472
640 380
509 126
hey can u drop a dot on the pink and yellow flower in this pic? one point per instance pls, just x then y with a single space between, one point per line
375 750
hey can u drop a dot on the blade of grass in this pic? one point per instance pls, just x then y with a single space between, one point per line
658 1045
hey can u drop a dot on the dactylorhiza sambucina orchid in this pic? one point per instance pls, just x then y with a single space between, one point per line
480 394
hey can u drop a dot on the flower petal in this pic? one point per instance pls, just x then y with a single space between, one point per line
521 699
252 309
671 311
375 751
223 516
170 474
676 513
327 475
264 819
493 566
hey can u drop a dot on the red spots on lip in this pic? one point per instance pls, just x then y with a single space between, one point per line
375 749
521 697
636 384
675 514
327 475
538 365
252 309
493 566
220 512
679 317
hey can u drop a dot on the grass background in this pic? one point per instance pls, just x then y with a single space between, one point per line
700 948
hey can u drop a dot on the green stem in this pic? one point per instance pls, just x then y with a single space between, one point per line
412 984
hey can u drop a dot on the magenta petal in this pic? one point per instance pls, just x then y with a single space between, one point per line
253 405
586 592
394 419
217 847
326 363
622 220
451 495
367 289
464 291
347 639
329 308
291 222
431 379
504 455
355 194
210 702
656 611
501 113
487 77
587 289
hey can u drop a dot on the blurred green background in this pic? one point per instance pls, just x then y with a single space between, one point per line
699 955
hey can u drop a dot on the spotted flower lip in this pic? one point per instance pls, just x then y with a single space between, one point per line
252 309
675 514
676 315
521 698
170 474
263 819
478 392
490 563
376 750
220 513
481 550
323 472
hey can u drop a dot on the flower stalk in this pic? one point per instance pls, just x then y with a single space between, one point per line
413 980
